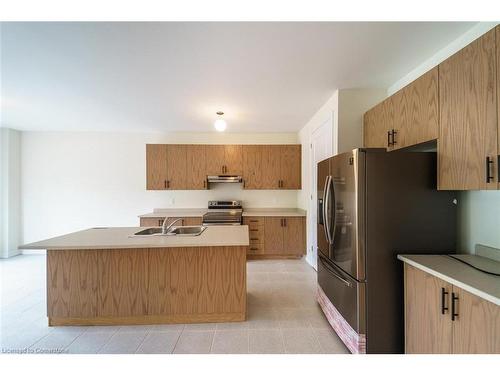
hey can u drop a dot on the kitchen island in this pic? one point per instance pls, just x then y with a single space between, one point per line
107 276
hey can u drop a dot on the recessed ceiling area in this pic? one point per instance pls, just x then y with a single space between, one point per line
174 76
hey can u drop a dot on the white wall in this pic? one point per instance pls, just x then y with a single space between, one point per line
10 188
73 181
344 110
478 211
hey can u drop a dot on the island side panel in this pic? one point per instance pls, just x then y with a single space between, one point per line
123 282
198 284
147 286
72 283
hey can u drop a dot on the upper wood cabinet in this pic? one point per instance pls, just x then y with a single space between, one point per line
272 167
196 175
252 167
498 99
467 146
415 111
224 159
290 165
176 167
156 167
375 127
186 167
407 118
429 327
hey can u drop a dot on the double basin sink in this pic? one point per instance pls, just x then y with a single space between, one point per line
175 231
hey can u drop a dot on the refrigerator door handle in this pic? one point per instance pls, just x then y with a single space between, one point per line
333 272
334 213
326 203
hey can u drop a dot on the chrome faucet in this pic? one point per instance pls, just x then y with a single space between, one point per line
165 228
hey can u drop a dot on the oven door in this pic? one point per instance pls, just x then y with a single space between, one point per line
344 292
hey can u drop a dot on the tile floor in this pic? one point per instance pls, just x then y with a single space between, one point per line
283 317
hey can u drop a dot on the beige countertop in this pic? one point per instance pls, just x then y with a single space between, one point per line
457 273
197 212
122 237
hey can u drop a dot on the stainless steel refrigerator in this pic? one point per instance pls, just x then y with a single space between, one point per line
373 205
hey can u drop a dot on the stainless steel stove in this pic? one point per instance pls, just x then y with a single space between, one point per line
223 213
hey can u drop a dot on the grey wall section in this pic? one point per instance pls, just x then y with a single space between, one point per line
478 220
10 198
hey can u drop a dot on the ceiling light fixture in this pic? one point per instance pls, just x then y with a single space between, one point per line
220 124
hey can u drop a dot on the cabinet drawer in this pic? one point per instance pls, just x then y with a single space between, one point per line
253 221
254 232
255 249
256 240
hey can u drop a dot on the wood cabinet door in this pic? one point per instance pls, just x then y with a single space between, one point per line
176 167
273 235
294 238
476 329
468 117
151 221
233 159
215 159
271 166
196 174
252 167
498 99
290 166
377 122
416 111
427 329
156 167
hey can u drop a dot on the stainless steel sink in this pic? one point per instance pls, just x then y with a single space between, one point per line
148 232
186 231
174 231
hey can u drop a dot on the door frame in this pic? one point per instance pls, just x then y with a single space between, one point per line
311 220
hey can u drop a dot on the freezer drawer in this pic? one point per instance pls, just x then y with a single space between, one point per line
344 292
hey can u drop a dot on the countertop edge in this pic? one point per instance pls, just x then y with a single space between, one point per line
460 284
140 247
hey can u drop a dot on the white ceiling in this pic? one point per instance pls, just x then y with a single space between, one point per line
267 77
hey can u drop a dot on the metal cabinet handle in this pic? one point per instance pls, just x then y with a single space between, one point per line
454 298
489 162
165 184
388 138
498 168
444 293
204 184
284 222
394 132
168 184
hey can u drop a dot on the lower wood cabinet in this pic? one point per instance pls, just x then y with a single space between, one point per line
273 236
443 318
158 221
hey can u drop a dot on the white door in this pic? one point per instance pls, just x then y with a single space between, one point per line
321 148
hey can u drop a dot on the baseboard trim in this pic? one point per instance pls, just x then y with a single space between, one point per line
148 319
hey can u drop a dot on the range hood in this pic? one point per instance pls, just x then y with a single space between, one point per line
225 179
